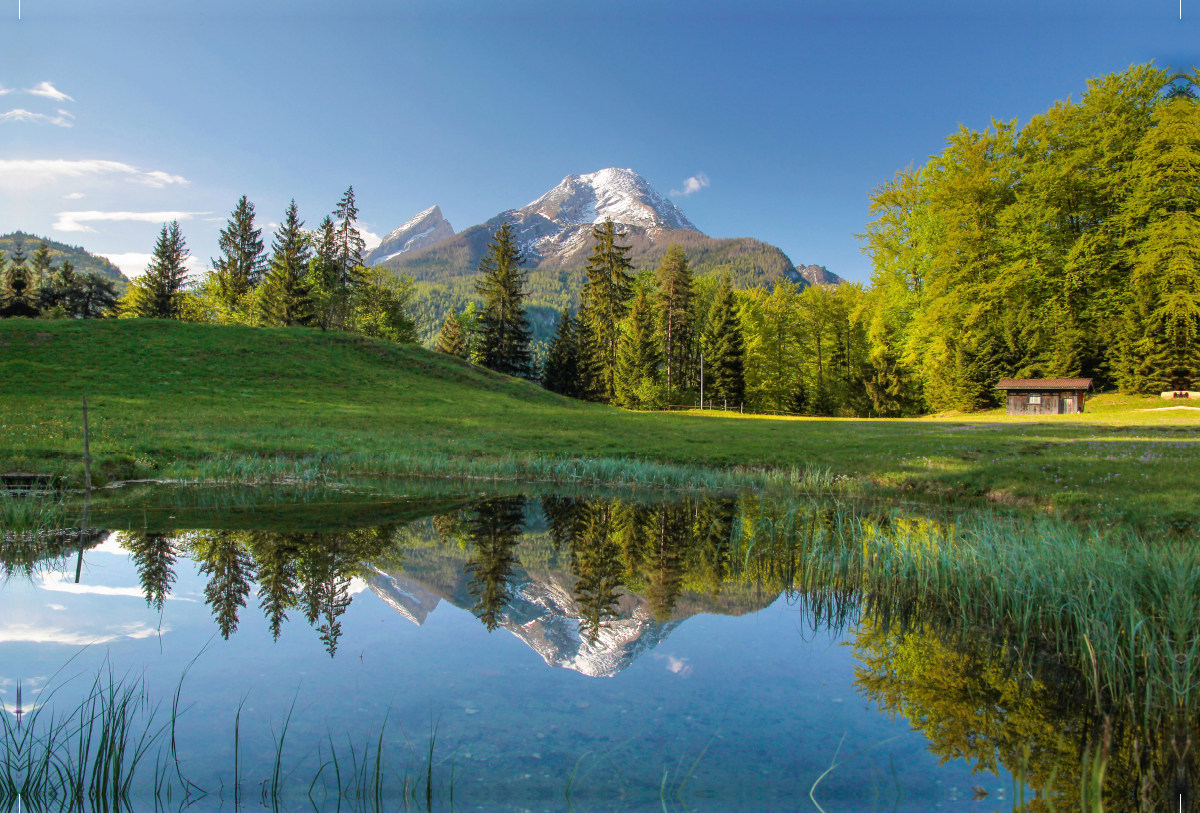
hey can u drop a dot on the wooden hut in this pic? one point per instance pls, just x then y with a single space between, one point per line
1044 396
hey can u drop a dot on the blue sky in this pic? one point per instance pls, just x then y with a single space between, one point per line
793 111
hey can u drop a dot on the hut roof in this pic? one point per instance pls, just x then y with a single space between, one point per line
1044 384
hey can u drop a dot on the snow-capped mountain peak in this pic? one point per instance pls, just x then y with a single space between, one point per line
620 195
419 231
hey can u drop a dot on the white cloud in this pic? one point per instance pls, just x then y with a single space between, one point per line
65 583
74 196
50 92
5 91
692 185
52 169
134 265
62 119
57 635
74 221
56 606
372 240
160 179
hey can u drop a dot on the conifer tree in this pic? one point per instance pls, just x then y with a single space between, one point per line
605 301
230 568
349 243
241 265
40 263
452 338
97 296
495 531
639 356
675 317
159 293
16 299
562 373
286 294
504 332
724 357
328 299
154 556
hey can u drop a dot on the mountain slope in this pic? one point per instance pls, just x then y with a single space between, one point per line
424 229
83 261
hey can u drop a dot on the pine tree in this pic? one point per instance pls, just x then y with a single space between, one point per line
676 319
154 556
160 288
562 373
725 354
286 294
329 301
452 338
349 242
504 332
639 356
97 296
605 301
241 266
17 297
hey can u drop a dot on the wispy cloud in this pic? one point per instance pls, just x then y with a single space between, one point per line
51 169
63 119
50 92
5 91
74 196
691 186
75 221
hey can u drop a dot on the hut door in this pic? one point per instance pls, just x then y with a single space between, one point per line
1067 404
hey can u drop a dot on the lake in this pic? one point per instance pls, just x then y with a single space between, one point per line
510 648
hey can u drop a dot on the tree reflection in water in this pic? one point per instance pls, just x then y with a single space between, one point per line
980 682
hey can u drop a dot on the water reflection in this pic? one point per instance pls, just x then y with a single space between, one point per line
593 583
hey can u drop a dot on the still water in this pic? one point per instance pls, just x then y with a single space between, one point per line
556 652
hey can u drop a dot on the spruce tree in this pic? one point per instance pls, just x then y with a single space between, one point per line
97 296
495 529
349 243
452 338
639 356
328 298
504 332
725 354
562 373
676 319
160 288
605 301
286 294
241 265
40 263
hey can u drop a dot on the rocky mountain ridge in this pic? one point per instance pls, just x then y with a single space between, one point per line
423 229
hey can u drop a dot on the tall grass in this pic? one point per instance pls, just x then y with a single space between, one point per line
603 471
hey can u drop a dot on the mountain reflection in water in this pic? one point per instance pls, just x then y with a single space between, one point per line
592 584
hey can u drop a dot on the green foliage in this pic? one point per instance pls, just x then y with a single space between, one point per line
639 356
1061 248
562 372
604 303
381 306
724 350
503 333
452 338
286 297
240 268
82 261
17 296
159 292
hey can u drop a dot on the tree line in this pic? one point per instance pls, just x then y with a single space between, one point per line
32 286
309 278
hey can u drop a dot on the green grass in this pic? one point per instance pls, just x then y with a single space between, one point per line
172 400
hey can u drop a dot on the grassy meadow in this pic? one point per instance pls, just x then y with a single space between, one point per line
174 400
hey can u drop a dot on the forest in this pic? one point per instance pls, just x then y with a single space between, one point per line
1065 247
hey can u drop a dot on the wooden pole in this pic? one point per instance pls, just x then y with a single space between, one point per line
87 493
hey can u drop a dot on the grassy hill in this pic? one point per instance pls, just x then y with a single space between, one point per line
446 272
83 261
169 399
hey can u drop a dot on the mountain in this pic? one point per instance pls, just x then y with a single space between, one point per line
83 261
422 230
554 232
817 275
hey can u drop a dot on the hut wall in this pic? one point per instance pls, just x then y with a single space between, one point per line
1053 403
